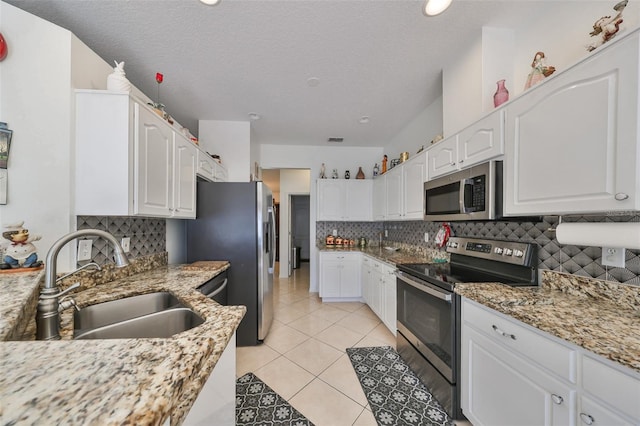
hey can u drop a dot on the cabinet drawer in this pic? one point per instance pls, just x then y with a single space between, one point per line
611 385
549 354
592 413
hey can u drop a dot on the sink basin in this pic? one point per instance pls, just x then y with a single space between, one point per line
159 324
106 313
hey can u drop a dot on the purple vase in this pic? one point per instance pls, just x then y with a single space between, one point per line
502 94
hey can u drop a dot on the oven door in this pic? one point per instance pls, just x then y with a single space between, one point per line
427 319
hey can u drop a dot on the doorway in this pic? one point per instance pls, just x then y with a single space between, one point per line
300 219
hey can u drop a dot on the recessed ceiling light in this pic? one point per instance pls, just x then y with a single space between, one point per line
313 81
210 2
254 116
435 7
335 140
364 119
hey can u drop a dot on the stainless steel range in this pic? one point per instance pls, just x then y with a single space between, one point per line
429 310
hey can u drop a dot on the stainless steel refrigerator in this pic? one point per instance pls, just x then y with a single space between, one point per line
235 221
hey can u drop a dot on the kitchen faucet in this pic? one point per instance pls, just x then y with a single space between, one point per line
49 306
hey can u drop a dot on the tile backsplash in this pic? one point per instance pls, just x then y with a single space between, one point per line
582 261
148 236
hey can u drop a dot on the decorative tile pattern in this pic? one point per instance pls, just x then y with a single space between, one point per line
394 392
258 404
148 236
581 261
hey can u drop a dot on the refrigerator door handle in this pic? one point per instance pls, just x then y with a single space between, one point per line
271 244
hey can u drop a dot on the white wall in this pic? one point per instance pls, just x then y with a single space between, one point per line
312 157
37 103
231 140
420 131
176 241
292 182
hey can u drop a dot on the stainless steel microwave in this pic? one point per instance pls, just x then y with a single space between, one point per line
471 194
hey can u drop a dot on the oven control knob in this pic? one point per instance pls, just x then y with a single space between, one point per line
518 253
497 250
508 252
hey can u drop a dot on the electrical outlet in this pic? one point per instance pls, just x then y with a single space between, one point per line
426 237
84 249
126 244
613 256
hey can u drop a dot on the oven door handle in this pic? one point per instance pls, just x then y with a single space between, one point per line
424 287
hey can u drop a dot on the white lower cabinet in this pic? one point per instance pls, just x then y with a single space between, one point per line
216 402
340 276
514 374
379 290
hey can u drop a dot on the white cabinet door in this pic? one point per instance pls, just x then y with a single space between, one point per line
154 166
358 199
380 198
350 277
216 402
340 275
394 193
330 277
331 199
593 413
482 140
414 174
206 166
365 279
572 143
389 298
500 389
443 157
184 193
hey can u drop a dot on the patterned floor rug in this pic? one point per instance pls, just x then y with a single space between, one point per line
258 404
395 394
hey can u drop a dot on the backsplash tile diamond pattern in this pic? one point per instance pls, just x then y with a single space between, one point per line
148 236
583 261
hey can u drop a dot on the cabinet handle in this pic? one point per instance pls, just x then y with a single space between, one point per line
587 419
621 196
461 161
502 333
557 399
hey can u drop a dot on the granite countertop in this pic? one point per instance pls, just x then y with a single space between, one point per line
599 316
119 381
402 255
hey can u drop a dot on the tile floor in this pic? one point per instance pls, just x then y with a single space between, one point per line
303 358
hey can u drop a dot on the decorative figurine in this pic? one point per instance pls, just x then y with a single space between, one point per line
347 175
20 252
334 174
117 80
384 164
607 27
360 174
539 70
376 170
322 172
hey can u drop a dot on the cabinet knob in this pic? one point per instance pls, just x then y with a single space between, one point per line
587 419
461 161
621 196
557 399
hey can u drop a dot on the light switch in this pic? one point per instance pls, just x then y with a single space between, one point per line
126 244
84 249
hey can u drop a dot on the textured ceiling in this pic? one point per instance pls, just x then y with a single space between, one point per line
375 58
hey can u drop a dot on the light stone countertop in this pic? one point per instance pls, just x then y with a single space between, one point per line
599 316
118 381
405 254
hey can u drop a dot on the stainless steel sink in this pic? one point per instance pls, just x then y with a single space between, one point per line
106 313
159 324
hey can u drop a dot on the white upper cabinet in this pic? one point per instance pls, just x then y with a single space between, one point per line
414 174
481 141
129 161
344 200
572 142
380 198
393 187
